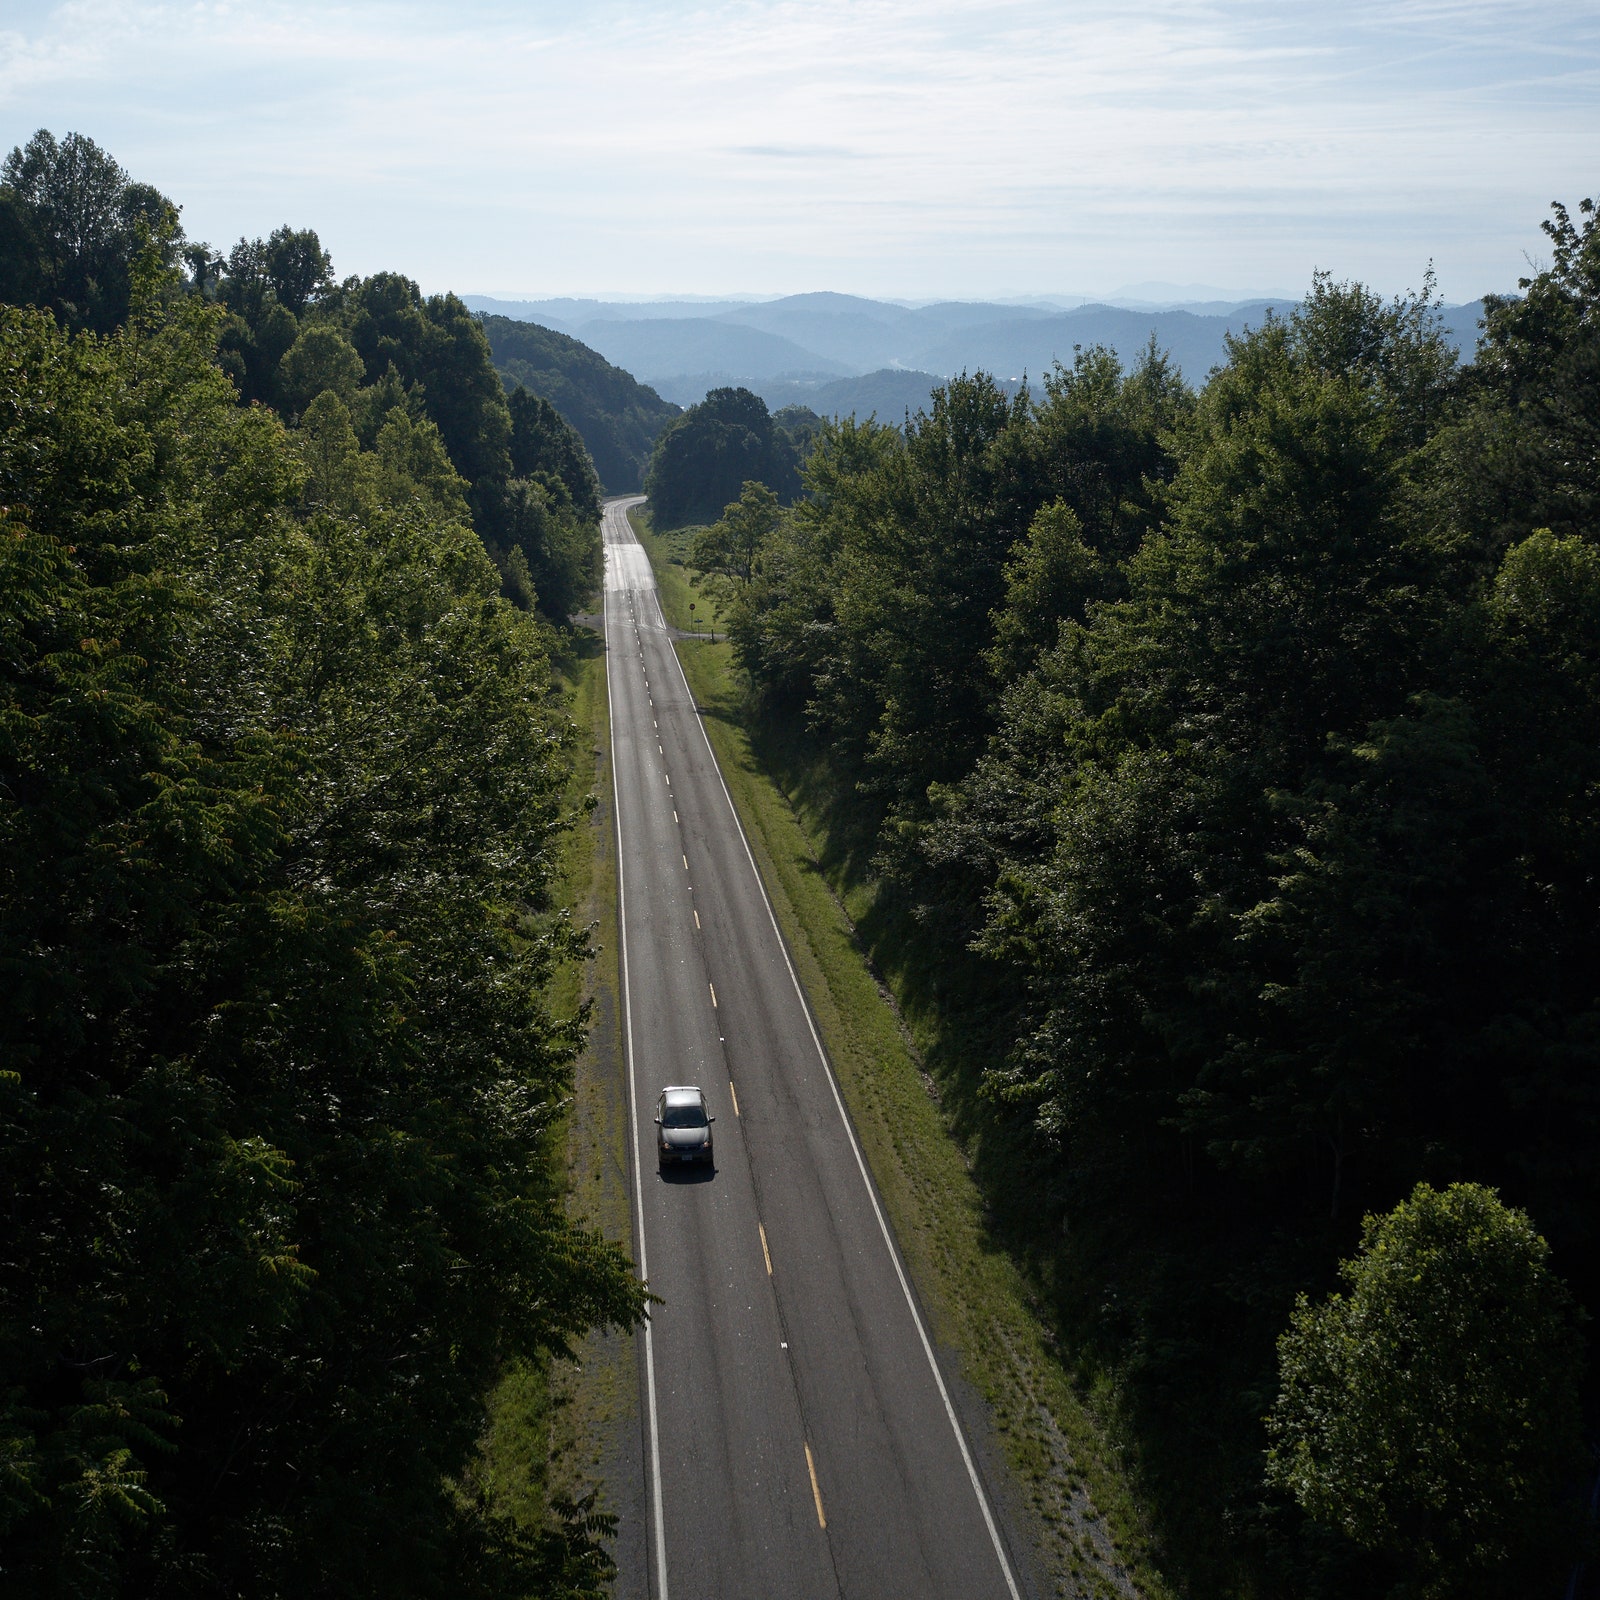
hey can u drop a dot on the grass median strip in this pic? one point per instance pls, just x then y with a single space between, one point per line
1095 1538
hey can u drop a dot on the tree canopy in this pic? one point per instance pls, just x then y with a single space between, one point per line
1218 766
732 546
281 776
703 457
72 225
1450 1313
544 443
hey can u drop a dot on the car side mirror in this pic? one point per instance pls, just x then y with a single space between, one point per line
711 1119
658 1120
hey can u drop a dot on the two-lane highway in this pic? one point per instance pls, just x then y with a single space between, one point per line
799 1437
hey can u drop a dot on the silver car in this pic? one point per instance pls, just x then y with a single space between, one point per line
683 1127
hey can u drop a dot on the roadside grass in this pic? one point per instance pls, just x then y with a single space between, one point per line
1094 1534
547 1423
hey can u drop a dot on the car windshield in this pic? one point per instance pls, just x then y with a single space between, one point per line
684 1115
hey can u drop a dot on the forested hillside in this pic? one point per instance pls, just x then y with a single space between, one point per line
367 352
281 776
618 418
1226 762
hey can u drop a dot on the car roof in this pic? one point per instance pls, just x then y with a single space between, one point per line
682 1091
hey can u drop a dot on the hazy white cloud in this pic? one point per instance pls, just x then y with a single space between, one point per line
875 145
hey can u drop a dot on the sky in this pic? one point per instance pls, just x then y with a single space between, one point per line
914 149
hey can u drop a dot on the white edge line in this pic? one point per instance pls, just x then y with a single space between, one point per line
633 1117
850 1133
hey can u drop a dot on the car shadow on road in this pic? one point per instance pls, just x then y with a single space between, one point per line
690 1172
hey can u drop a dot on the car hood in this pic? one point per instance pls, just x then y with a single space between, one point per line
685 1138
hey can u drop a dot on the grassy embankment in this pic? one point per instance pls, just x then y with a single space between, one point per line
1095 1537
552 1428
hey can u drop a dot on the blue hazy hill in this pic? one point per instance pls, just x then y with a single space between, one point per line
843 354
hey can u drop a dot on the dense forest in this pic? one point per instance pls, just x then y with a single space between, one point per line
281 780
618 418
1227 762
354 357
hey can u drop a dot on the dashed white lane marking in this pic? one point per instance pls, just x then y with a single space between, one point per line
713 988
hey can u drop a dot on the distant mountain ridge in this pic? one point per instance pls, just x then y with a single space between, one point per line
660 345
827 350
889 394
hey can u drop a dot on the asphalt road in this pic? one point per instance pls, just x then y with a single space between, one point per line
799 1438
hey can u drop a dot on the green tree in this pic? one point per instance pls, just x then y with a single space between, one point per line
923 537
289 268
332 455
801 425
261 329
1523 456
297 267
411 463
543 441
321 358
701 458
433 342
23 274
732 545
1051 578
1431 1410
370 407
73 225
1286 602
559 551
779 620
1099 443
935 572
407 465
